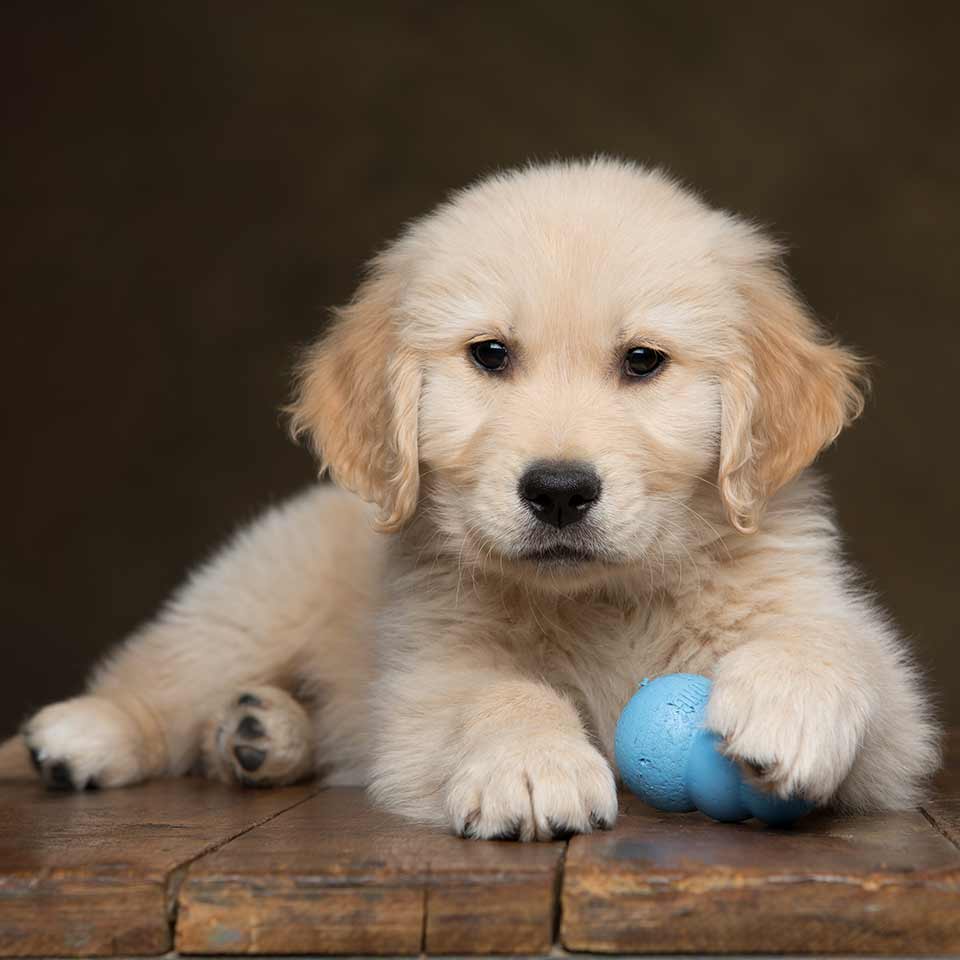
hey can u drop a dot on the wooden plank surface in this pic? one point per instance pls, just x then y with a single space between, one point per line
92 874
309 871
943 809
335 876
681 883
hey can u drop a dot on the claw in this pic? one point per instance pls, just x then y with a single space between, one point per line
598 822
60 776
560 831
511 832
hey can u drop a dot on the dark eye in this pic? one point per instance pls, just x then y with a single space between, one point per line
490 354
642 361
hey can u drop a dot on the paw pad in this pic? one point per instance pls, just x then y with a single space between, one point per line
250 758
261 738
251 728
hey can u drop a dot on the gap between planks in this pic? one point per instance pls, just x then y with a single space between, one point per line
175 878
935 823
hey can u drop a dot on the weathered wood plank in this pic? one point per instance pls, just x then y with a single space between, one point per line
336 876
89 874
943 807
681 883
945 816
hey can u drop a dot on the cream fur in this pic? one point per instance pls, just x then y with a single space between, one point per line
472 687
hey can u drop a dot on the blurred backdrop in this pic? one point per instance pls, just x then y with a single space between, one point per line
188 185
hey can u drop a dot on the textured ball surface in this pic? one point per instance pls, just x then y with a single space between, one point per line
654 736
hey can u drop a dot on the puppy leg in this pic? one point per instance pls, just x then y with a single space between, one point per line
262 737
792 714
147 706
288 595
827 713
492 756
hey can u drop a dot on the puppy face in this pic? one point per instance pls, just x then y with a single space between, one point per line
561 367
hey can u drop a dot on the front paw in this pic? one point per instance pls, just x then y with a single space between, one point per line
85 743
540 792
793 725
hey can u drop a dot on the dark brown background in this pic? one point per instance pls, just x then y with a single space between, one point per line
187 185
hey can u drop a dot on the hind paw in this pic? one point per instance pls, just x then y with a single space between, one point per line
262 738
85 743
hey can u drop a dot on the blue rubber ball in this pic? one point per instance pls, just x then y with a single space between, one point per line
671 762
713 780
654 736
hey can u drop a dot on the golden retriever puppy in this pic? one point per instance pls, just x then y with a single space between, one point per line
583 404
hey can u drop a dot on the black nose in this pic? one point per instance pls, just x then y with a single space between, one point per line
559 492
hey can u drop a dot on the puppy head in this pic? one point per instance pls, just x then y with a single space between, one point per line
561 365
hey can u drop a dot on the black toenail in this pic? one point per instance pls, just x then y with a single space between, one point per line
250 727
560 831
468 829
92 784
600 823
250 758
60 776
249 700
511 832
35 759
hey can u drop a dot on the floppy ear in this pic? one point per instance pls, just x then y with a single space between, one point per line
356 400
787 396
